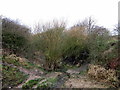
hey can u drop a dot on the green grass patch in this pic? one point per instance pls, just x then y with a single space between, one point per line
65 67
83 72
31 83
16 62
0 67
28 65
49 83
12 76
52 80
41 68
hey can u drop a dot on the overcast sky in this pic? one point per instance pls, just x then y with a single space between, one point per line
29 12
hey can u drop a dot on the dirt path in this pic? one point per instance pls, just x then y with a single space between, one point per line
32 73
70 79
77 80
78 69
82 82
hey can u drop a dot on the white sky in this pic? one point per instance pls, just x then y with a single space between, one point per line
29 12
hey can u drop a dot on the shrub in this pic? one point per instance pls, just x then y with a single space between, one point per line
74 46
14 36
52 50
49 42
98 44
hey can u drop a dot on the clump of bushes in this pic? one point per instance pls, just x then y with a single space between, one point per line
49 42
52 44
101 51
14 36
82 43
98 43
74 46
59 45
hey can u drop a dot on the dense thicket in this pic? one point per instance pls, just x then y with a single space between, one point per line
49 42
84 42
74 45
14 36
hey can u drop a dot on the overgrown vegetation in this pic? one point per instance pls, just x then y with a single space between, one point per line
49 42
48 83
11 76
31 83
14 36
17 61
98 44
74 48
84 42
53 47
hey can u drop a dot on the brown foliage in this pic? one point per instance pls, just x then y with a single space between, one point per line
114 63
99 73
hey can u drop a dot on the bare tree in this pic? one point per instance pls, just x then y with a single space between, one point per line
49 40
117 29
88 25
39 27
